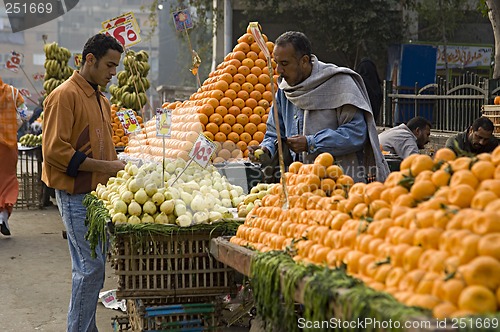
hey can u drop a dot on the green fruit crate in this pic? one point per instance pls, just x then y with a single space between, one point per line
147 317
177 266
29 175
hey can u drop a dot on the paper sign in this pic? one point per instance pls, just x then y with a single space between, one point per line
128 121
38 76
202 150
119 20
77 57
182 20
14 62
25 92
126 33
255 31
163 122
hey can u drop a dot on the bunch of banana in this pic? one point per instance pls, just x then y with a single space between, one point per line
56 66
30 140
132 81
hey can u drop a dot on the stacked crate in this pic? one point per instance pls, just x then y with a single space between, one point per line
170 281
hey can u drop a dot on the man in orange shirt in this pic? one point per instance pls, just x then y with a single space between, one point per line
9 187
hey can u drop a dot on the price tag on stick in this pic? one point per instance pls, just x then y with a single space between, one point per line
127 33
202 150
119 20
14 62
128 121
163 122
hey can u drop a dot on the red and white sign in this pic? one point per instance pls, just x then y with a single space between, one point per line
202 150
14 62
25 92
38 76
119 20
126 33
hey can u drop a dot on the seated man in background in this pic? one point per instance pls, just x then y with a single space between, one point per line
406 139
476 139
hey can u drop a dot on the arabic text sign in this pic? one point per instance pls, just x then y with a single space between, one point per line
163 122
126 33
202 150
14 62
116 21
464 56
128 121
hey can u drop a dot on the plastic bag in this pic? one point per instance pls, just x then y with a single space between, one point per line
22 112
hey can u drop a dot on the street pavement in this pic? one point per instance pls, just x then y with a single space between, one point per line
35 276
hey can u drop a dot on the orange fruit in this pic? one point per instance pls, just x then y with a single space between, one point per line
233 137
251 102
239 102
226 77
262 127
244 70
239 78
242 119
203 118
239 55
222 110
246 38
483 170
214 102
234 110
253 55
324 159
231 69
230 119
247 111
215 118
251 78
222 85
255 119
234 86
258 136
243 94
260 88
250 128
264 117
256 95
209 134
264 78
242 46
220 137
247 86
259 110
245 137
260 63
444 154
225 128
247 62
241 144
267 95
212 128
217 94
230 93
226 102
477 299
207 109
237 128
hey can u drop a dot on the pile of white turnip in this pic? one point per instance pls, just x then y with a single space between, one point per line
141 195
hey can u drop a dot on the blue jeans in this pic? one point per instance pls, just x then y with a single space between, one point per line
87 272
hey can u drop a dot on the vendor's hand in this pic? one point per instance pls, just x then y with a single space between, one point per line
297 143
252 149
113 166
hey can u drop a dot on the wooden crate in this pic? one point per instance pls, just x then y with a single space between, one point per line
492 112
177 266
29 176
144 316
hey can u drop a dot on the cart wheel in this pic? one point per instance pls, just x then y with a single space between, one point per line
64 235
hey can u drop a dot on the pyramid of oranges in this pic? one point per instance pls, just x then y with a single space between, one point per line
231 108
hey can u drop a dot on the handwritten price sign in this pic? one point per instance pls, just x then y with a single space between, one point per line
127 33
202 150
25 92
163 122
114 22
128 121
14 62
77 57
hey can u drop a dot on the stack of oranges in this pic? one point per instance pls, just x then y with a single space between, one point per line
429 235
230 108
